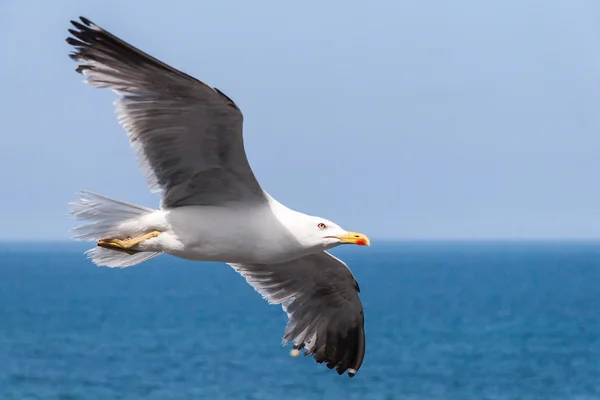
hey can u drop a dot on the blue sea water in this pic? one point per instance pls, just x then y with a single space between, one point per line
443 321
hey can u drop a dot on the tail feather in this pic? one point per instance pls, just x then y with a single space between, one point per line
101 217
116 259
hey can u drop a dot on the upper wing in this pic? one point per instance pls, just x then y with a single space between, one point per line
320 296
187 135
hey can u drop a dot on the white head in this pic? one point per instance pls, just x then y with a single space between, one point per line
317 232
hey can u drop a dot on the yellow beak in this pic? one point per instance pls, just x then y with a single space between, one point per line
353 238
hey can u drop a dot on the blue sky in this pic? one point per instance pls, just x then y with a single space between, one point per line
399 119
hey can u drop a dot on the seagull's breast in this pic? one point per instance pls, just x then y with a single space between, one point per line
233 234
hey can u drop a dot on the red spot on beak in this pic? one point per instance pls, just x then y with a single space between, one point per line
361 242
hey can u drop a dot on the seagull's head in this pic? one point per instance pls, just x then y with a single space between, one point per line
322 233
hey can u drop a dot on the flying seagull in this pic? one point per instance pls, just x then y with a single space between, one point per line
188 140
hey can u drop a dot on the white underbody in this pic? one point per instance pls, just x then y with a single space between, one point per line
227 234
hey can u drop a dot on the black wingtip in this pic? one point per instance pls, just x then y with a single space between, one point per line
82 68
84 25
76 24
73 41
86 21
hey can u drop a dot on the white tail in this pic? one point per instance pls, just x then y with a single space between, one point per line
102 217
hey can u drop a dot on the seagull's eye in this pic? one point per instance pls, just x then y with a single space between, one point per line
321 225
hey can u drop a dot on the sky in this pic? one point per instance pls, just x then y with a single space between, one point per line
414 119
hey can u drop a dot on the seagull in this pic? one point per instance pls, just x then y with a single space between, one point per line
187 137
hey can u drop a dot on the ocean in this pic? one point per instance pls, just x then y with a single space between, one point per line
443 320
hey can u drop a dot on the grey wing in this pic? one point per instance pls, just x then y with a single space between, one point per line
186 134
320 296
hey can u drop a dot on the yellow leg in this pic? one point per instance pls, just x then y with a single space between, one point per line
125 245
